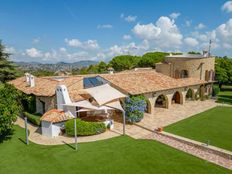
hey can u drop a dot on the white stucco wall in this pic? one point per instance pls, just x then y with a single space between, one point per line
51 129
46 128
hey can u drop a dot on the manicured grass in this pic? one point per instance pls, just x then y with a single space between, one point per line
225 95
214 125
117 155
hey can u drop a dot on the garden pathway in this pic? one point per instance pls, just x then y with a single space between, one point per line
193 150
36 137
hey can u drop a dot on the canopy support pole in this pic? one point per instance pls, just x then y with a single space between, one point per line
124 122
75 130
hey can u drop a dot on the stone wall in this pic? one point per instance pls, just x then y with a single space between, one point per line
152 97
49 103
196 67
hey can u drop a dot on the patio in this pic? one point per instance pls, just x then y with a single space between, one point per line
164 117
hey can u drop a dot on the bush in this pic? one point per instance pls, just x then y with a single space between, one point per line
135 107
216 91
33 118
84 128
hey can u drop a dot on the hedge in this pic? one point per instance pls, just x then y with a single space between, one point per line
84 128
33 118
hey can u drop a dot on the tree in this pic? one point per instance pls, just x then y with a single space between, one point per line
102 67
194 52
10 108
8 70
124 62
223 70
150 59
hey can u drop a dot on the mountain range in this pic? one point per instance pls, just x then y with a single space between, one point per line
56 66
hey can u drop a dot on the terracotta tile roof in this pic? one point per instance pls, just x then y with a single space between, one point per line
45 86
131 82
55 116
149 81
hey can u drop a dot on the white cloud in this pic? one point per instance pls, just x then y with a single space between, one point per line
188 23
147 31
126 37
192 42
200 26
36 40
89 44
174 15
121 15
227 6
73 42
10 50
130 18
105 26
224 34
163 33
34 53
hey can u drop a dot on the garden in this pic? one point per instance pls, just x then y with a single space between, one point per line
122 155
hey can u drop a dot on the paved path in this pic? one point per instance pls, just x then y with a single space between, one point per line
36 137
163 117
203 154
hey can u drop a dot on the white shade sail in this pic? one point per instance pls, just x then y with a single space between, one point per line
104 94
115 105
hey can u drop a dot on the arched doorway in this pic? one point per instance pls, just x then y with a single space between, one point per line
189 95
161 101
177 98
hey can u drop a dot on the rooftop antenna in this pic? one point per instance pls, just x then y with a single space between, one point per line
210 42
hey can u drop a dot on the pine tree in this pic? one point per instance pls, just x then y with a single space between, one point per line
8 69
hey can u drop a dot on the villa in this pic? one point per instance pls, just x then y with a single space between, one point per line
177 79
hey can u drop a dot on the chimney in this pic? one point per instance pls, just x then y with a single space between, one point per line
111 70
62 96
31 80
205 53
27 78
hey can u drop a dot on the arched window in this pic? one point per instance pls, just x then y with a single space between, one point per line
183 74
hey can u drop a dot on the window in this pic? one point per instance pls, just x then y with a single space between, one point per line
184 74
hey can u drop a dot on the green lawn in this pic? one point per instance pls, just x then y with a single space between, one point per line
214 125
117 155
225 95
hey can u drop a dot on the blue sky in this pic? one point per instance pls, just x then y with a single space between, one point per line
68 30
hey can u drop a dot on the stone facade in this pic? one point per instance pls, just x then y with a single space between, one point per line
44 104
181 67
169 94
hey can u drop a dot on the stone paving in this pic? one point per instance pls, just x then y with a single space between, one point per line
163 117
193 150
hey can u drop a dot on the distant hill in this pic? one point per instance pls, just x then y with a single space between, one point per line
55 67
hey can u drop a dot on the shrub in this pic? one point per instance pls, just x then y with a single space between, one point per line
135 107
33 118
216 91
84 128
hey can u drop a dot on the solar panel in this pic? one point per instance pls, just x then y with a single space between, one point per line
90 82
